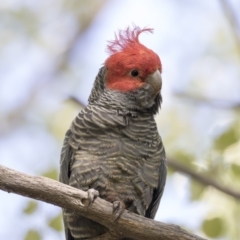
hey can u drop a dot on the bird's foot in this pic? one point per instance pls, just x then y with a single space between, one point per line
92 195
118 208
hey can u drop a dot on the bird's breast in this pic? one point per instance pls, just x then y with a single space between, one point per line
120 158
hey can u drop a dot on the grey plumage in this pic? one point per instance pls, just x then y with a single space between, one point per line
114 147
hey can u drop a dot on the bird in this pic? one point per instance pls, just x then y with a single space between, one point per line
113 149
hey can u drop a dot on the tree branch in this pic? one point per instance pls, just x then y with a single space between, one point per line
50 191
203 179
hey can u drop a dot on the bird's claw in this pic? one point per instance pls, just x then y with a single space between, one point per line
118 208
92 195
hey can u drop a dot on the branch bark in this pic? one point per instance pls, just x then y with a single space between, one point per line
53 192
203 179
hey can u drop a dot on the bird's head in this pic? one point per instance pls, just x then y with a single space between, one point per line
132 71
131 65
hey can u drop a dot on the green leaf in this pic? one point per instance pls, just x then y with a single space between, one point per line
235 169
32 235
213 227
56 223
226 139
31 207
184 157
52 173
196 190
170 171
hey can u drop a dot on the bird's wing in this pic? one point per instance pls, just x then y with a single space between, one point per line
157 193
67 151
66 156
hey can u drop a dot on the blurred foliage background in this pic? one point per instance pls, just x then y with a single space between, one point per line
52 50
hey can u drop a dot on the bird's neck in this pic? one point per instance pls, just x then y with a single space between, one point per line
137 101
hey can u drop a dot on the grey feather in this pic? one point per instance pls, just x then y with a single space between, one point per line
113 146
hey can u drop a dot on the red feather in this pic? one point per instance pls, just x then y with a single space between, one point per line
126 54
126 38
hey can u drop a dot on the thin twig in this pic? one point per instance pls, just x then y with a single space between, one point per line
216 103
232 19
77 101
203 179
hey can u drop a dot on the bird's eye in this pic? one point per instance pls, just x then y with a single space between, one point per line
134 73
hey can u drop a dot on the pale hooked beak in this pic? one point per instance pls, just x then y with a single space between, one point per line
155 80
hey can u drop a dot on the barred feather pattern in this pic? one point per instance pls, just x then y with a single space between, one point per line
113 147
